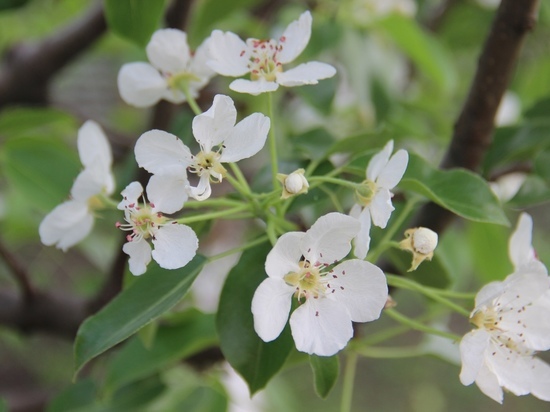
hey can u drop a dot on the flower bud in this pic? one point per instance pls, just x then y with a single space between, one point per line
421 242
293 184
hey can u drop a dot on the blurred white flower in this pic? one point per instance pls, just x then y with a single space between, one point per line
72 221
173 68
366 11
509 109
330 297
264 59
508 185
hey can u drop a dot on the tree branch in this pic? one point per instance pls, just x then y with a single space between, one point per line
19 273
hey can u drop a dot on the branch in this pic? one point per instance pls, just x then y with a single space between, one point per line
473 130
28 68
19 273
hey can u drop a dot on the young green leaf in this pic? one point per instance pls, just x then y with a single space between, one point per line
256 360
325 373
147 298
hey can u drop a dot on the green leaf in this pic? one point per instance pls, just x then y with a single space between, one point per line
148 297
135 20
314 143
460 191
175 341
256 360
325 373
12 4
36 122
320 96
423 49
79 396
43 170
533 191
3 405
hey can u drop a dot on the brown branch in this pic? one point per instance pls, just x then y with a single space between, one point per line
28 68
473 130
19 273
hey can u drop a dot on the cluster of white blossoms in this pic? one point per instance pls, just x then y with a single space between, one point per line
513 324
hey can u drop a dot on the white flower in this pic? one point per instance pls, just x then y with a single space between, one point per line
264 59
513 321
330 297
508 185
175 244
172 67
293 184
221 141
72 221
421 242
374 199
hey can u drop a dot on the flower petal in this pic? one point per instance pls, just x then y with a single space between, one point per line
229 55
321 327
329 238
175 246
167 193
140 256
540 379
93 146
520 246
394 170
130 195
168 51
472 350
253 87
91 182
211 127
488 383
246 139
140 84
379 161
487 293
295 38
203 190
306 73
270 307
362 240
66 225
285 255
361 288
381 208
511 368
162 153
199 66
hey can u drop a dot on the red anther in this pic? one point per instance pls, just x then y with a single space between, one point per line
118 224
152 204
242 53
131 205
282 39
129 238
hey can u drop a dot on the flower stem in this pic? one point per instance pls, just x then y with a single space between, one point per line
240 177
390 353
238 249
336 181
349 380
212 215
190 99
272 142
413 324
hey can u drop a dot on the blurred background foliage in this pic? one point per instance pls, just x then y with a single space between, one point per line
401 76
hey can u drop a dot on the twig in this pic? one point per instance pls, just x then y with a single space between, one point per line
19 273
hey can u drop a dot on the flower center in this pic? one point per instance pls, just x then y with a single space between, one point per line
485 319
263 61
180 81
365 192
141 221
309 281
209 162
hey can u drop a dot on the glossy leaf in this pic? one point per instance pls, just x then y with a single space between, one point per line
148 297
325 373
460 191
255 360
135 20
173 342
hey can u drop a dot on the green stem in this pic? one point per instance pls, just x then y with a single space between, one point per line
349 380
272 142
390 353
413 324
240 177
212 215
238 186
336 181
190 99
238 249
333 198
216 202
404 283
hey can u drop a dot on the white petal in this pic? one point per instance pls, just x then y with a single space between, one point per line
93 146
540 379
295 38
523 288
89 182
66 225
360 287
167 193
253 87
488 383
162 153
168 50
175 246
140 84
379 161
487 293
246 139
175 96
140 256
381 208
229 55
533 323
306 73
285 255
511 369
270 307
520 249
362 240
130 195
329 238
211 127
394 170
203 189
199 66
321 327
472 351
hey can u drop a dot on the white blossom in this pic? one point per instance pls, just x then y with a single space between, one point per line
421 242
293 184
220 140
172 67
263 60
174 244
70 222
374 199
331 294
